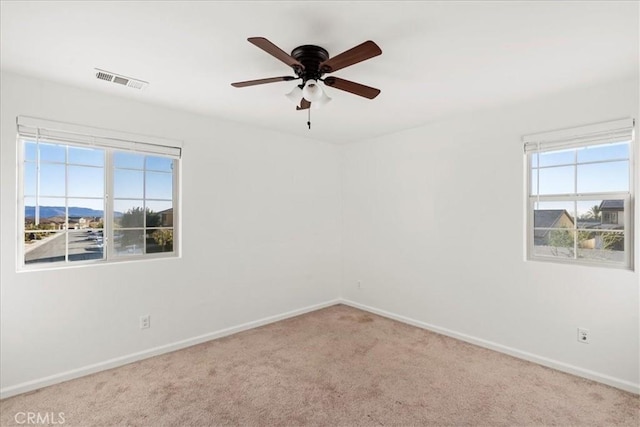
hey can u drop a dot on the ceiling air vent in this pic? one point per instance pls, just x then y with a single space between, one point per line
120 79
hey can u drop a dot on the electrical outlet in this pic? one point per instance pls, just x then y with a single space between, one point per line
145 321
583 335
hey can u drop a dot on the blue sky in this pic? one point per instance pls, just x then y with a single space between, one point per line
85 172
134 174
558 174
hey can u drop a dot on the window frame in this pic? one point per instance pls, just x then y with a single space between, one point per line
575 138
72 135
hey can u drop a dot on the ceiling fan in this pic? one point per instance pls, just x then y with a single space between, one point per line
310 63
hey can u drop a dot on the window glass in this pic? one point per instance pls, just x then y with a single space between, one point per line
597 153
128 184
161 164
44 246
128 160
51 207
52 179
557 180
603 177
129 242
533 184
84 246
52 152
554 243
578 200
601 245
554 214
90 209
30 151
160 240
30 177
159 185
129 213
589 211
64 200
551 158
85 181
86 156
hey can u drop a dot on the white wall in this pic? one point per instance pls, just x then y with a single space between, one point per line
432 226
261 237
434 230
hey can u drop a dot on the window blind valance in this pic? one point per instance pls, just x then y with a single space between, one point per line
49 130
600 133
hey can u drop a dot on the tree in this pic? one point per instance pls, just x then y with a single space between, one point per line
561 239
133 218
35 232
594 212
164 238
613 241
153 218
96 224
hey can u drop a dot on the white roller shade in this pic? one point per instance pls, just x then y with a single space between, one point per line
31 127
600 133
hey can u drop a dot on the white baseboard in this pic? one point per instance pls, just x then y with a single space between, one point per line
544 361
123 360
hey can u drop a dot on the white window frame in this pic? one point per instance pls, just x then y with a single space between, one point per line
36 129
596 134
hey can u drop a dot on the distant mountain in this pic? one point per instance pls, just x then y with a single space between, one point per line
51 211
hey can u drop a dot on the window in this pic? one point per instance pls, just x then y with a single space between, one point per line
609 217
90 195
580 195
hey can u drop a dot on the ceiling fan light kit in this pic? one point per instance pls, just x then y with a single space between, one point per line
295 95
310 63
322 101
312 91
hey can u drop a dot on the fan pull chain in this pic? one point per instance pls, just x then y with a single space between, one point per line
309 117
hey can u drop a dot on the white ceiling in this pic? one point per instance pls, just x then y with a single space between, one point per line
439 58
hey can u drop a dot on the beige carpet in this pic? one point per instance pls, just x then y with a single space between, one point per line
336 366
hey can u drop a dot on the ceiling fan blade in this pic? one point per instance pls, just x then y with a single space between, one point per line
304 105
275 51
352 87
263 81
352 56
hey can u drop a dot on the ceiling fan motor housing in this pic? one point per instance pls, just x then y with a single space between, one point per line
311 57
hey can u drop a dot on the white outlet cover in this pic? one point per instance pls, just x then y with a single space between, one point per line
145 322
583 335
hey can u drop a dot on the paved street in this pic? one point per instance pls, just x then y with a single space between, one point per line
81 247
